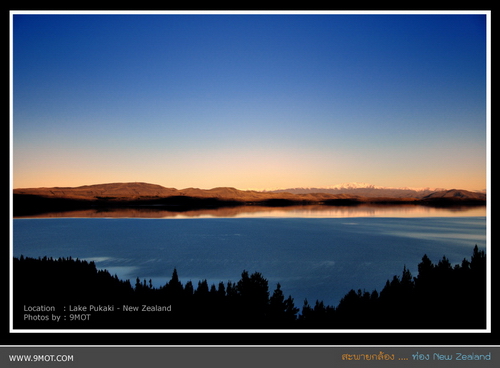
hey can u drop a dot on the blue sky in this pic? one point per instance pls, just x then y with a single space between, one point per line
250 101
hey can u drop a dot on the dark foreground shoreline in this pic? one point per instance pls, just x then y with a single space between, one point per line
36 205
68 293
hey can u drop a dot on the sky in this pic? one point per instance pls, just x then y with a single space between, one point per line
252 101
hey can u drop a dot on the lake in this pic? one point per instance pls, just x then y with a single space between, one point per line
314 253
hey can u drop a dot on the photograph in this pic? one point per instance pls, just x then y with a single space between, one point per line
259 177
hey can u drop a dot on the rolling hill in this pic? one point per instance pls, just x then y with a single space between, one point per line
456 194
136 194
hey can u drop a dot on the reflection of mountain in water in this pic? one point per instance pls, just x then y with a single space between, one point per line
102 197
312 211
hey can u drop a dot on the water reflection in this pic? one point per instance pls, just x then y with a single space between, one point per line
311 211
314 258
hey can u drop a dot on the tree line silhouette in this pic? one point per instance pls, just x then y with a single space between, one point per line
440 296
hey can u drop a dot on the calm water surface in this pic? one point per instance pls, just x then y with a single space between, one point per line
313 257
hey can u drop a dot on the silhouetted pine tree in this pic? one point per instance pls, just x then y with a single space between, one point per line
440 296
281 310
253 296
188 289
202 290
307 313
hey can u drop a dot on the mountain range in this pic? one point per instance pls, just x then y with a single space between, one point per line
119 192
365 190
36 200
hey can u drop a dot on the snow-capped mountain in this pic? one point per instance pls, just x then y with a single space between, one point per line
364 190
352 186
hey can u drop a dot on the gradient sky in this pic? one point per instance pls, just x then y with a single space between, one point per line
250 101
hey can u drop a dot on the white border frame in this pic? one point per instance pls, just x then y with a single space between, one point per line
252 331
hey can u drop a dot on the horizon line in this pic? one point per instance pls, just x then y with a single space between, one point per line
341 186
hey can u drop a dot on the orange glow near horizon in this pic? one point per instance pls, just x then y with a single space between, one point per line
300 103
253 183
